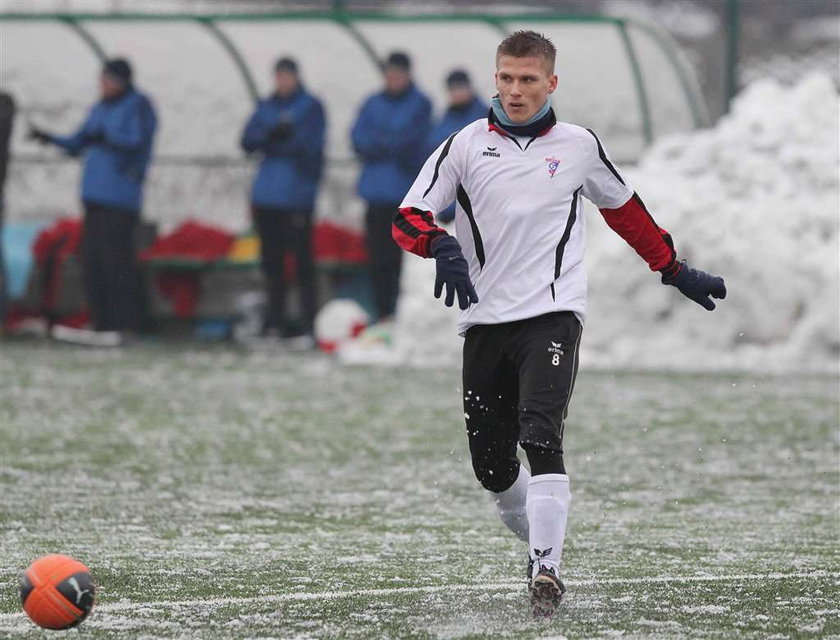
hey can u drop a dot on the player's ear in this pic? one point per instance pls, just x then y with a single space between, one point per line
552 83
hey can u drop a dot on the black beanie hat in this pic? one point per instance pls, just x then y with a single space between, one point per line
286 64
118 68
456 77
400 60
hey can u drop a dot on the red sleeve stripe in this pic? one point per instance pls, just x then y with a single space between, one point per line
633 223
414 230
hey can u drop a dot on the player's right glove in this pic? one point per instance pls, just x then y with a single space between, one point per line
452 271
695 284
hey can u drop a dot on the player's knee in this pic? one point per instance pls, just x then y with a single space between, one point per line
495 475
543 460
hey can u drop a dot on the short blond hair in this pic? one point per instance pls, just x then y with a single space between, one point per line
527 44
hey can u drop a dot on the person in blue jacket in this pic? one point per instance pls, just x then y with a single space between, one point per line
116 139
464 107
288 130
389 137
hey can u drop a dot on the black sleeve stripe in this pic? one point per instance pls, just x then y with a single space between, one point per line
405 226
604 157
466 205
440 159
561 246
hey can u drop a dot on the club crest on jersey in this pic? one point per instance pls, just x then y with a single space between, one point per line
553 163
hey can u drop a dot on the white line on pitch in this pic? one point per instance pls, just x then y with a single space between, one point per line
460 588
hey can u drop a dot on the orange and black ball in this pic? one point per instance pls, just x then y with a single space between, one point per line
57 592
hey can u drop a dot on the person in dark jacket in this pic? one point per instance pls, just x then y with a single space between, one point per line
116 139
7 116
288 129
464 107
389 137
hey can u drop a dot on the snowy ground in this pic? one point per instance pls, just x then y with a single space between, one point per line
217 493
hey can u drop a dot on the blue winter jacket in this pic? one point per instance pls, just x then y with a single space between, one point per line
291 164
389 137
117 138
455 119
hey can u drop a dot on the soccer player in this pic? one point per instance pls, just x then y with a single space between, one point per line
518 177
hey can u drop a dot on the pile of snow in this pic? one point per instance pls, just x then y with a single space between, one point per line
754 199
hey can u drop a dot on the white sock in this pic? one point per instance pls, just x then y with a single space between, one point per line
548 510
511 504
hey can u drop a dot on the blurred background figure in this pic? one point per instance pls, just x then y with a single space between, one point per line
288 129
464 107
116 139
389 136
7 116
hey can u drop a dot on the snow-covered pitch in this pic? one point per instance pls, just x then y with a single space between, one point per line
217 493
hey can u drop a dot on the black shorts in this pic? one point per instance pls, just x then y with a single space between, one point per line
518 380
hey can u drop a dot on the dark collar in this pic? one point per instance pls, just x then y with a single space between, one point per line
122 94
462 108
289 98
402 94
533 130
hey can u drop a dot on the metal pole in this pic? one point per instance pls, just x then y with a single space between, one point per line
733 35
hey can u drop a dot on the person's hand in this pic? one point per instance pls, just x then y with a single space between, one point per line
452 271
97 137
695 284
38 135
283 130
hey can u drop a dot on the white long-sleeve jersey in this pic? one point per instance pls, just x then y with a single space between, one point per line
518 216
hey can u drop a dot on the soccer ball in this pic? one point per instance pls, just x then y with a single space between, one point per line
57 592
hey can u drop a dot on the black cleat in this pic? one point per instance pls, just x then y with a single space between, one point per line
546 591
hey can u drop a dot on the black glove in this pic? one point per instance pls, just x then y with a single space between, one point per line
695 284
453 271
283 130
38 135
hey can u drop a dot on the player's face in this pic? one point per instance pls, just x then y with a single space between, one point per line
460 94
396 79
285 82
524 85
108 87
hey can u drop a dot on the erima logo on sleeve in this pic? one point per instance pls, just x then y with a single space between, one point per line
491 151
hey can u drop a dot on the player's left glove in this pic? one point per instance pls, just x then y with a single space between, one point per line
452 271
695 284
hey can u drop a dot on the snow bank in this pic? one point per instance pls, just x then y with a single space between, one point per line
754 199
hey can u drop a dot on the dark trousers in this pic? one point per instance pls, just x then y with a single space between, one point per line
518 380
385 258
283 232
109 262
